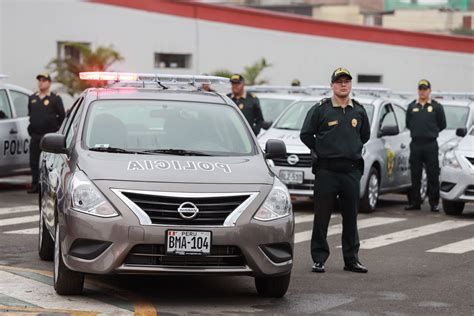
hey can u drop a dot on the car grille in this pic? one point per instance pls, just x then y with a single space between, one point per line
163 210
306 185
470 190
304 161
155 255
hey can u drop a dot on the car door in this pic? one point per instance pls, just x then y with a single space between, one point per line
402 163
8 136
19 100
391 148
52 172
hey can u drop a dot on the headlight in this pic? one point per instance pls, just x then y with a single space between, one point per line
450 160
276 205
86 198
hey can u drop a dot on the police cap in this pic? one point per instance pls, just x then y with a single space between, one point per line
340 72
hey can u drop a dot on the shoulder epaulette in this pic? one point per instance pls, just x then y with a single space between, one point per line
252 95
324 101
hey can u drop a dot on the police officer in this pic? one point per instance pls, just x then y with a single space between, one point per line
248 103
425 119
335 130
295 83
46 112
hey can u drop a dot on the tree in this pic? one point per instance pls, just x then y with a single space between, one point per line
67 70
250 73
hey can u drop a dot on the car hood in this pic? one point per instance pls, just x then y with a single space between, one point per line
291 139
445 136
466 144
175 169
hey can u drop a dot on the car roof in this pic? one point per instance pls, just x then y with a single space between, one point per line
361 99
455 102
283 96
15 87
126 93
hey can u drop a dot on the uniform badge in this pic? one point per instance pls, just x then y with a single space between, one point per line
241 106
354 122
416 110
33 101
46 102
430 109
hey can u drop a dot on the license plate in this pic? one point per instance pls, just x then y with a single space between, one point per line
291 177
185 242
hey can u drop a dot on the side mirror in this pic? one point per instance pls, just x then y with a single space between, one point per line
461 131
275 148
54 143
389 130
266 125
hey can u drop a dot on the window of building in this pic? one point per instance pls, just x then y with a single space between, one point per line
163 60
68 51
369 78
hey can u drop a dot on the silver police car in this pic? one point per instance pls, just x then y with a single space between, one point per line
385 154
151 175
14 138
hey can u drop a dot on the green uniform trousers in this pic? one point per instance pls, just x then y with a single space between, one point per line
329 185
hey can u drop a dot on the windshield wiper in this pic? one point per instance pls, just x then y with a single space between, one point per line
179 152
117 150
287 128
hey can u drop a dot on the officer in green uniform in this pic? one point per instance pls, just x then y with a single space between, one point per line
248 103
425 119
335 130
46 112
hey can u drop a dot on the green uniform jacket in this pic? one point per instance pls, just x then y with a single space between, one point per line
425 121
46 115
333 132
250 107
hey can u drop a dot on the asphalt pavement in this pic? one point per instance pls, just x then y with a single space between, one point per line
420 263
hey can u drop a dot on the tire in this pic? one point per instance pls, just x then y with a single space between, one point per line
273 286
45 242
453 207
66 282
368 203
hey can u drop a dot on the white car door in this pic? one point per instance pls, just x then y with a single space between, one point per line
9 162
19 100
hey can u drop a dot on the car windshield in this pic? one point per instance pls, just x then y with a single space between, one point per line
456 116
166 127
272 107
293 119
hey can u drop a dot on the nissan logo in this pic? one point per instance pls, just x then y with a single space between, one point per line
293 159
188 210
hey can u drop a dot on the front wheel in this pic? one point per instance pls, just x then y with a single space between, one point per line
66 282
453 207
368 202
45 242
273 286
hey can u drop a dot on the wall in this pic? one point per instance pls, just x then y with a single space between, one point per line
29 41
426 20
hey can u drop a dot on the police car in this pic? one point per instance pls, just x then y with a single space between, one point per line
14 138
151 175
385 154
275 99
457 173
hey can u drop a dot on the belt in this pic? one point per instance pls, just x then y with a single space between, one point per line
339 164
423 140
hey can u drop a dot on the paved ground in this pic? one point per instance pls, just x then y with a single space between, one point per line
419 263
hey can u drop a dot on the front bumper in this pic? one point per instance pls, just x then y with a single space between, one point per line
125 233
457 184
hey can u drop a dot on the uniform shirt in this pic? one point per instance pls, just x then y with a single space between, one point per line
425 121
46 114
250 107
335 132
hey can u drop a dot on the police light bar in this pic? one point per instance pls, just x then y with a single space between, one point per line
148 77
2 76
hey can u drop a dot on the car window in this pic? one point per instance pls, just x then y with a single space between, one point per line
401 114
387 117
139 125
293 118
456 116
5 111
71 127
272 107
20 102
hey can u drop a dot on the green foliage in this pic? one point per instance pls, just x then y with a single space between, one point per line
67 70
463 32
251 72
